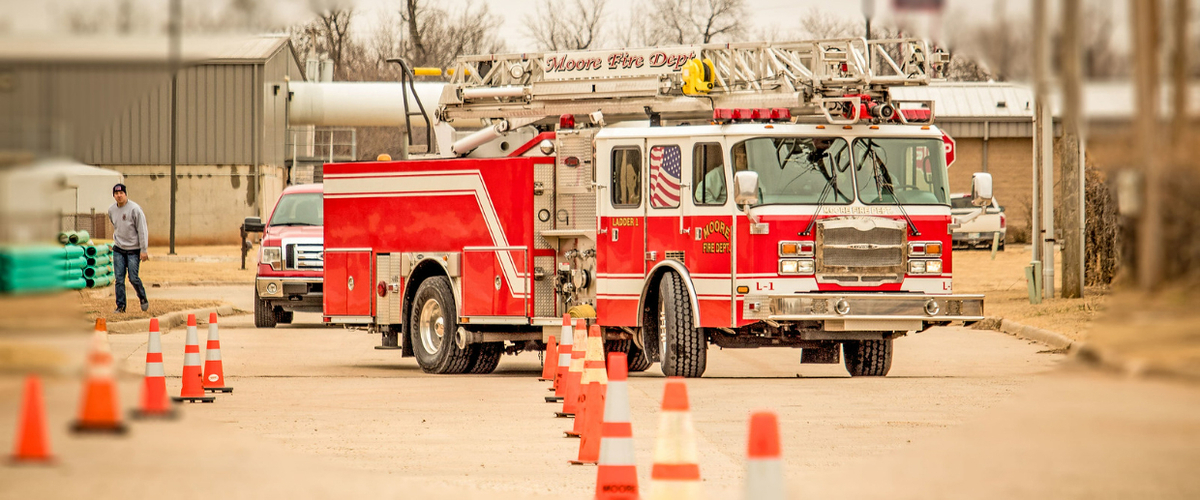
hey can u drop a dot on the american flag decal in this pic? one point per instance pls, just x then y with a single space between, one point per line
665 164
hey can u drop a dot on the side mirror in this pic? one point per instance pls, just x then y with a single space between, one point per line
253 225
745 187
981 189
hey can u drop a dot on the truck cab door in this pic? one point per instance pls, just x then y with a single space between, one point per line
621 235
710 216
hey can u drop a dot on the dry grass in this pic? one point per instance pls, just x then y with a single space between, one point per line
198 265
101 303
1003 282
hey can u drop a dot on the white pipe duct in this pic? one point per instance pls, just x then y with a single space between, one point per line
359 104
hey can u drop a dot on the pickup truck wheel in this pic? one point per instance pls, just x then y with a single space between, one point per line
434 324
284 317
485 357
868 358
684 348
264 314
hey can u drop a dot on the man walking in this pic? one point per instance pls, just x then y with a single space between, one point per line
131 241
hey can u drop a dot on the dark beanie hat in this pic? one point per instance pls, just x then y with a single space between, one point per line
120 187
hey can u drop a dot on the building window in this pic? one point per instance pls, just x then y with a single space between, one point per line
666 165
627 177
708 175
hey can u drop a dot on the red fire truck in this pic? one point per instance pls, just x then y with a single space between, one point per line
764 195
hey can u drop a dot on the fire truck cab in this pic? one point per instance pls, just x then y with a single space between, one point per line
748 229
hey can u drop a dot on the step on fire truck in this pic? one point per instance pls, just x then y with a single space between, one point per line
743 195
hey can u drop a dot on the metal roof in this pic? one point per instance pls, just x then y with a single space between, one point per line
973 100
139 49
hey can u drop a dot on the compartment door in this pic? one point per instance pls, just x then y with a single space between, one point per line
495 282
348 282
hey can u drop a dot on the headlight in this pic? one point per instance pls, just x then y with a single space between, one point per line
797 266
273 256
925 267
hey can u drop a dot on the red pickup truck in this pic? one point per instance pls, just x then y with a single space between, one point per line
291 259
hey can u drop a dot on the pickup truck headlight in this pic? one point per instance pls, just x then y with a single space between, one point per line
272 256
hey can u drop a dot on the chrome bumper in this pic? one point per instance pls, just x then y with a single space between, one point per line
864 311
262 285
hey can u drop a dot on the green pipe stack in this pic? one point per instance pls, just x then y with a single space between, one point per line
47 268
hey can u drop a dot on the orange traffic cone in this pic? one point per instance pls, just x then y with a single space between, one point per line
214 374
549 361
592 403
98 410
154 385
564 360
32 442
616 478
676 473
193 384
764 467
575 373
593 371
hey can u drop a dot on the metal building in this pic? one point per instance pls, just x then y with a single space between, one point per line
107 102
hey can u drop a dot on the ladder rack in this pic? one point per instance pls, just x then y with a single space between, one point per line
808 77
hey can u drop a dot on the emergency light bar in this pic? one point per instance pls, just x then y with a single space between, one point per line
756 115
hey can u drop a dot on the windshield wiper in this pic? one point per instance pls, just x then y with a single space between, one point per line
830 182
295 224
884 179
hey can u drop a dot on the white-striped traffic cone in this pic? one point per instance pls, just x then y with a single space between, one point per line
764 466
154 386
616 476
564 360
676 471
214 371
193 378
575 372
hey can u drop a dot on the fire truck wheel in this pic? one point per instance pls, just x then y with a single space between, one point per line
434 325
283 317
635 358
684 349
868 358
264 314
485 357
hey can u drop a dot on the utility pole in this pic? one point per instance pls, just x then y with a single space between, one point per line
1179 68
1043 143
1145 50
174 28
1072 166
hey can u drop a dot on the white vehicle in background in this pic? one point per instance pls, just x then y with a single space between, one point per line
980 231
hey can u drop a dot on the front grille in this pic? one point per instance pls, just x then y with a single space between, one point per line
305 257
860 250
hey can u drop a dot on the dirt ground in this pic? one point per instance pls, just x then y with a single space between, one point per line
1003 282
1155 333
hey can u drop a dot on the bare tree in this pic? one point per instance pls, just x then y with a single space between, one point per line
333 27
821 24
696 21
574 26
436 36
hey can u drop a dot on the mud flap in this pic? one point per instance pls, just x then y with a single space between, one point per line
823 356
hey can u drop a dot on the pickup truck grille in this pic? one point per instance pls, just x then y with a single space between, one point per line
305 257
860 251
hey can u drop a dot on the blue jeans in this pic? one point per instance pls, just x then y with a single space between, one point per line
122 261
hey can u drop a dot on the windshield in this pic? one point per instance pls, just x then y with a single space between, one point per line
907 171
797 169
299 209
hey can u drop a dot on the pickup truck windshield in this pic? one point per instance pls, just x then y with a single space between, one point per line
906 171
299 209
797 170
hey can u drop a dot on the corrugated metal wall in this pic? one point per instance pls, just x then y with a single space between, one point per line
107 115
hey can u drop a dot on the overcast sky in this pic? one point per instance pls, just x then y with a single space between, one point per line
783 16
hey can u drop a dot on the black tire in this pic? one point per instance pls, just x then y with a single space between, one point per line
433 309
264 314
867 358
635 357
485 357
283 317
684 348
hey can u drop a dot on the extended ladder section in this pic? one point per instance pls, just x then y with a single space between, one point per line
817 77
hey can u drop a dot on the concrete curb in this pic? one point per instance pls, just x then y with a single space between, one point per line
166 284
169 320
1052 339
